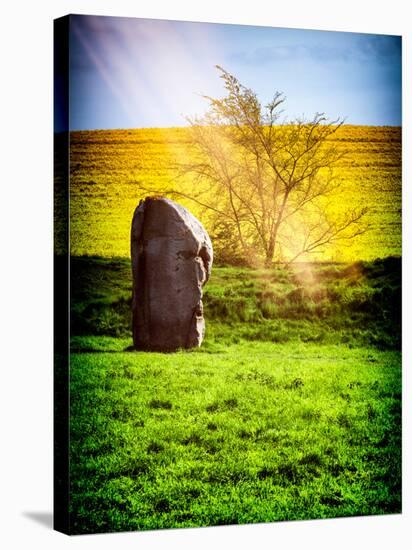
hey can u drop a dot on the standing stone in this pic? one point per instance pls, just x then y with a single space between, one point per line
171 261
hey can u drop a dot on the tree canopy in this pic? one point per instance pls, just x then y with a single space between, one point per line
268 183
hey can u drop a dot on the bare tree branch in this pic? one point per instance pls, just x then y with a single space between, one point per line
264 176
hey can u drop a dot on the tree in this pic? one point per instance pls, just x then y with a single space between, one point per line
268 183
273 180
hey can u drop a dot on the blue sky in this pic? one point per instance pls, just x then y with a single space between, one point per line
133 73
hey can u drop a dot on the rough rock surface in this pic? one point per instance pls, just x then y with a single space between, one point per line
171 261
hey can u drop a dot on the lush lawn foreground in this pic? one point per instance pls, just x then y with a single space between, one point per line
244 429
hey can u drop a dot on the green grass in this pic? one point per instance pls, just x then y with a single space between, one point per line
257 432
355 304
291 409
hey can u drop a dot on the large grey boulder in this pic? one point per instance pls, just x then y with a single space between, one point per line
171 261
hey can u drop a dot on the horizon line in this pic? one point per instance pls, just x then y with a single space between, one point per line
188 126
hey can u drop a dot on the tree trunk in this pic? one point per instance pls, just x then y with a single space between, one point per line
269 256
270 251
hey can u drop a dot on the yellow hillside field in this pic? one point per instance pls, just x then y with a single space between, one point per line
109 167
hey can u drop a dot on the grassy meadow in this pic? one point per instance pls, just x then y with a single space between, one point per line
108 168
291 409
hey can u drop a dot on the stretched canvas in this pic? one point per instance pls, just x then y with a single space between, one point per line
227 274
